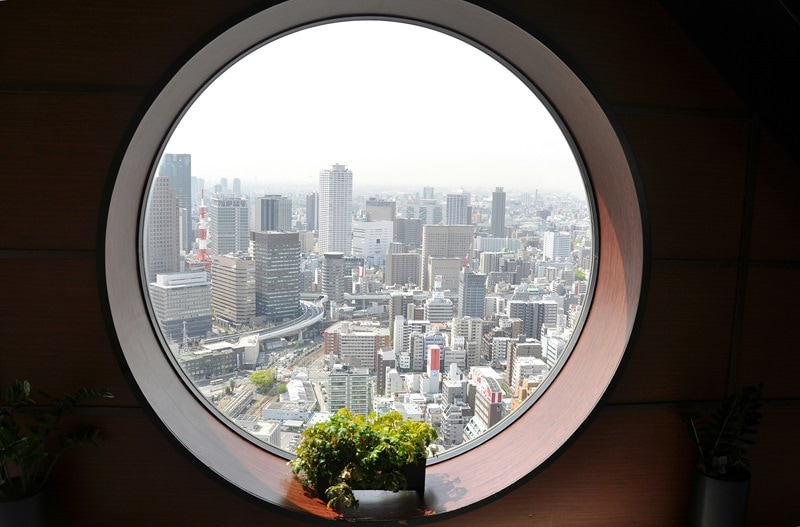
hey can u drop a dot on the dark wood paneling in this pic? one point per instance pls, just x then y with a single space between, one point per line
775 467
683 348
120 43
769 340
137 477
632 466
58 149
640 52
693 169
774 234
52 327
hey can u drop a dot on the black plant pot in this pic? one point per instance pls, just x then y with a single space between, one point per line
414 474
717 503
28 512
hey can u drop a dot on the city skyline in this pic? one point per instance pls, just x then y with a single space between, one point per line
438 110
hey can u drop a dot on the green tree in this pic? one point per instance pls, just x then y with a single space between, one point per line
282 388
263 379
579 274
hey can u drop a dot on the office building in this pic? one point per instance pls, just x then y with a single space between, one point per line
457 209
177 168
357 344
371 240
445 241
277 275
498 218
467 332
332 277
312 212
402 269
273 213
471 293
335 209
523 347
408 231
438 309
534 315
233 295
556 246
162 250
228 225
531 369
428 211
380 210
181 303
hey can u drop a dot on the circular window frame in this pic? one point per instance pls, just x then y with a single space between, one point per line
572 395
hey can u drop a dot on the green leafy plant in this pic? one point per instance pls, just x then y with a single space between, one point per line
721 438
352 452
32 438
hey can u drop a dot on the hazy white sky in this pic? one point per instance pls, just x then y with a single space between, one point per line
394 102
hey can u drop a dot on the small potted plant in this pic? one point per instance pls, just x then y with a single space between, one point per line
722 475
352 452
32 440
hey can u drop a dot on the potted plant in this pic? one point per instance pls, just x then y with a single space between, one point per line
352 452
722 475
32 440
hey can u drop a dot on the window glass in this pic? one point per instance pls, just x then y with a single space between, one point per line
368 214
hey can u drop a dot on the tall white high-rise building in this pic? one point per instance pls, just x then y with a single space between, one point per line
335 209
458 209
556 246
229 225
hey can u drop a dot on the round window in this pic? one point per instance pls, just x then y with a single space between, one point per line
450 268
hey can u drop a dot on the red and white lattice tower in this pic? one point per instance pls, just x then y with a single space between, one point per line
202 234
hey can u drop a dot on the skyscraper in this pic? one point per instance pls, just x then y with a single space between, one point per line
229 225
277 274
177 168
498 213
312 212
273 213
445 241
471 292
233 296
332 277
457 209
162 240
335 209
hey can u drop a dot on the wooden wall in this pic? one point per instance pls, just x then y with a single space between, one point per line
720 192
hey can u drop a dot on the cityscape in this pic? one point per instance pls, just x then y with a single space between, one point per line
450 306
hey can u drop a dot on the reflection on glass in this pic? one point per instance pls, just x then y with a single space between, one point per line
367 214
